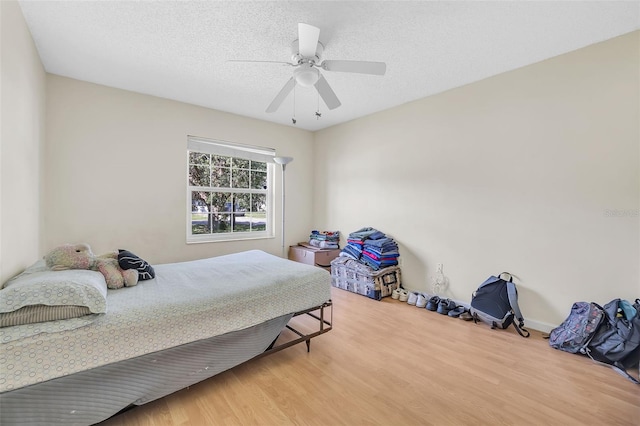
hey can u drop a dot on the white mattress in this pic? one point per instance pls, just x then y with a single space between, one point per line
186 302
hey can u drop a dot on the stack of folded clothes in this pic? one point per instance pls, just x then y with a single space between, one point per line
325 239
372 248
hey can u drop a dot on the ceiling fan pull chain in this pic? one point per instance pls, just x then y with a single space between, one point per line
293 119
318 114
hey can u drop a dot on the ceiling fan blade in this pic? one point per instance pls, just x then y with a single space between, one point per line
267 62
327 94
308 36
362 67
282 95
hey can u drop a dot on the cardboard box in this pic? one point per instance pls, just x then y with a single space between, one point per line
313 256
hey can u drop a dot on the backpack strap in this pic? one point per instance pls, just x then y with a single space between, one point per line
521 330
513 301
617 367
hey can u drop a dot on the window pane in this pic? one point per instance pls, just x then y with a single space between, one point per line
259 203
220 161
199 175
200 224
240 178
258 224
259 180
243 202
239 163
219 202
220 178
222 224
199 158
241 224
258 215
200 202
259 165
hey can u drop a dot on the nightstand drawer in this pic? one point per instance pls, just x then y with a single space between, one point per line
310 256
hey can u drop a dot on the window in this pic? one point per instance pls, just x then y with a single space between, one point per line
229 191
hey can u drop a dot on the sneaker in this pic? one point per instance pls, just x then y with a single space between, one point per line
404 295
432 304
395 295
455 313
422 300
413 298
445 306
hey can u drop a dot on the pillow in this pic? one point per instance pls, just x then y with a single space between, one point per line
128 260
43 295
41 313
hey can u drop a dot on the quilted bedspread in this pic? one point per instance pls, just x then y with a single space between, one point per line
186 302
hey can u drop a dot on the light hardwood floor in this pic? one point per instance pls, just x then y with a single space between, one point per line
388 363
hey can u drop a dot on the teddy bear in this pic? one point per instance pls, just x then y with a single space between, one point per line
80 256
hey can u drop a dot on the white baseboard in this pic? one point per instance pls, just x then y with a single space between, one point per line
540 326
528 323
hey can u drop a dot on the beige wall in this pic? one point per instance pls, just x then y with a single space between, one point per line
22 103
518 172
116 171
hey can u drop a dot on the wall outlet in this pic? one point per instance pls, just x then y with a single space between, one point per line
439 268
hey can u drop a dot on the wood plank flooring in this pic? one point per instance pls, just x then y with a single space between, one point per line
388 363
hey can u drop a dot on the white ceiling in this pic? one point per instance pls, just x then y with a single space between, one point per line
179 49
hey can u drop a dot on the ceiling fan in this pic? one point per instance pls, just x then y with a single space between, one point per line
306 54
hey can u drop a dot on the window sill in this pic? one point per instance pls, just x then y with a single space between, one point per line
226 238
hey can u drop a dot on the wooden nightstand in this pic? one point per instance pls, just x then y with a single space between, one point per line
313 256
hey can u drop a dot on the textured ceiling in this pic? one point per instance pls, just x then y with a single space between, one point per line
179 49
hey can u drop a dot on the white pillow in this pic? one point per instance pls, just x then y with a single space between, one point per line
45 291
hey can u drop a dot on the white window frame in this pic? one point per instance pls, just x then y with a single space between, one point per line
230 149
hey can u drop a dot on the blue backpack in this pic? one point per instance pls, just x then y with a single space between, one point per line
496 303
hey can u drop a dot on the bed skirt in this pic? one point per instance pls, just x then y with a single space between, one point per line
94 395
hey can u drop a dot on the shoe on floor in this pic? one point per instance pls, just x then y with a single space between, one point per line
456 312
395 295
445 306
422 300
404 295
466 316
432 304
413 298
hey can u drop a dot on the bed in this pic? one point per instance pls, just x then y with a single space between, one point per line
193 320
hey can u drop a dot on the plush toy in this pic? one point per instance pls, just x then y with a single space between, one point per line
79 256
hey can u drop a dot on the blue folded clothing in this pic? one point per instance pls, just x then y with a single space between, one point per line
362 233
379 242
377 235
353 250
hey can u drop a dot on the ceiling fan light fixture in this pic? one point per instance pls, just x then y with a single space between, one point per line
306 76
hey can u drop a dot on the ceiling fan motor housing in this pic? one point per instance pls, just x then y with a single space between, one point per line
297 58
